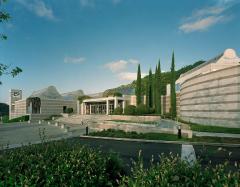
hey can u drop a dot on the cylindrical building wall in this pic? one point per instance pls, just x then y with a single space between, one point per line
212 98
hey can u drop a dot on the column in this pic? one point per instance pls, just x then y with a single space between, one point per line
123 105
115 102
78 107
107 106
90 109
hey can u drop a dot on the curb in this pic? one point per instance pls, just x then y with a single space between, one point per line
161 141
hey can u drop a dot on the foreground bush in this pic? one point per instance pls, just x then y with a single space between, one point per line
130 110
118 111
64 163
171 171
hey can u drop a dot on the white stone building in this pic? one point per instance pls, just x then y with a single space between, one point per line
210 93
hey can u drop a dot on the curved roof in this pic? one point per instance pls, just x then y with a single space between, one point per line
47 93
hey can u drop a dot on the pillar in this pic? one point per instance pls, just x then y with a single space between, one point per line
115 102
124 103
90 109
107 106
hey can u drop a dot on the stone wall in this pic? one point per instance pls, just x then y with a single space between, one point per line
212 98
134 118
19 109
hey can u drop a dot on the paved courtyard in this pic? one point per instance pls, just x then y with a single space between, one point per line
19 133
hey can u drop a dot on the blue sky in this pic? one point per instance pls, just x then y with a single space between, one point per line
96 44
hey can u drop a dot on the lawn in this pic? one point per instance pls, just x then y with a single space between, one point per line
135 135
161 136
214 129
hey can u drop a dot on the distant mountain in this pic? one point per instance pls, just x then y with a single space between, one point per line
4 109
129 89
73 95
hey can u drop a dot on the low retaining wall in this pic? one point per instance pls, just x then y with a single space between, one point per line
134 118
140 128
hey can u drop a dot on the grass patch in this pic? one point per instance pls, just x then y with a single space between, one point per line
161 136
208 128
135 135
19 119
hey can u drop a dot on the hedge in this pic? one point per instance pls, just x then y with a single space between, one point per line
63 163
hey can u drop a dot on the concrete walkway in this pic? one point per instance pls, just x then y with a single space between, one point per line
211 134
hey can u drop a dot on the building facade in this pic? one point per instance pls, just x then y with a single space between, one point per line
40 105
210 93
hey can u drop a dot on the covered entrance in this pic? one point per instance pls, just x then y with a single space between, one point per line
101 105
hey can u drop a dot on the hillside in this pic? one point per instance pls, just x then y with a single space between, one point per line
166 77
4 109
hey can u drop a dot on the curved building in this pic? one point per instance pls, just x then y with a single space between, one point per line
210 93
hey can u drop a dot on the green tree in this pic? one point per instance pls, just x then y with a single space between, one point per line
154 82
158 89
6 69
138 91
173 91
150 89
147 92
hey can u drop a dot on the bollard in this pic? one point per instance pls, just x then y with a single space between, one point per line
179 132
39 122
63 126
86 130
67 129
56 124
53 118
49 123
29 121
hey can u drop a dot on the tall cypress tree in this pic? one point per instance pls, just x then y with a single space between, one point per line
138 91
173 91
150 89
147 93
158 90
155 85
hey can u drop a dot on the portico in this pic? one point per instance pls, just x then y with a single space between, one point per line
103 105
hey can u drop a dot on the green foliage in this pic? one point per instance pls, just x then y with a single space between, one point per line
138 90
214 129
112 93
135 135
62 163
18 119
172 171
4 109
118 111
83 97
130 110
69 110
5 69
158 91
150 89
173 90
142 109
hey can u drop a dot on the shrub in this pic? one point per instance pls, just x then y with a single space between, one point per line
172 171
118 111
141 109
62 163
69 110
130 110
18 119
83 97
